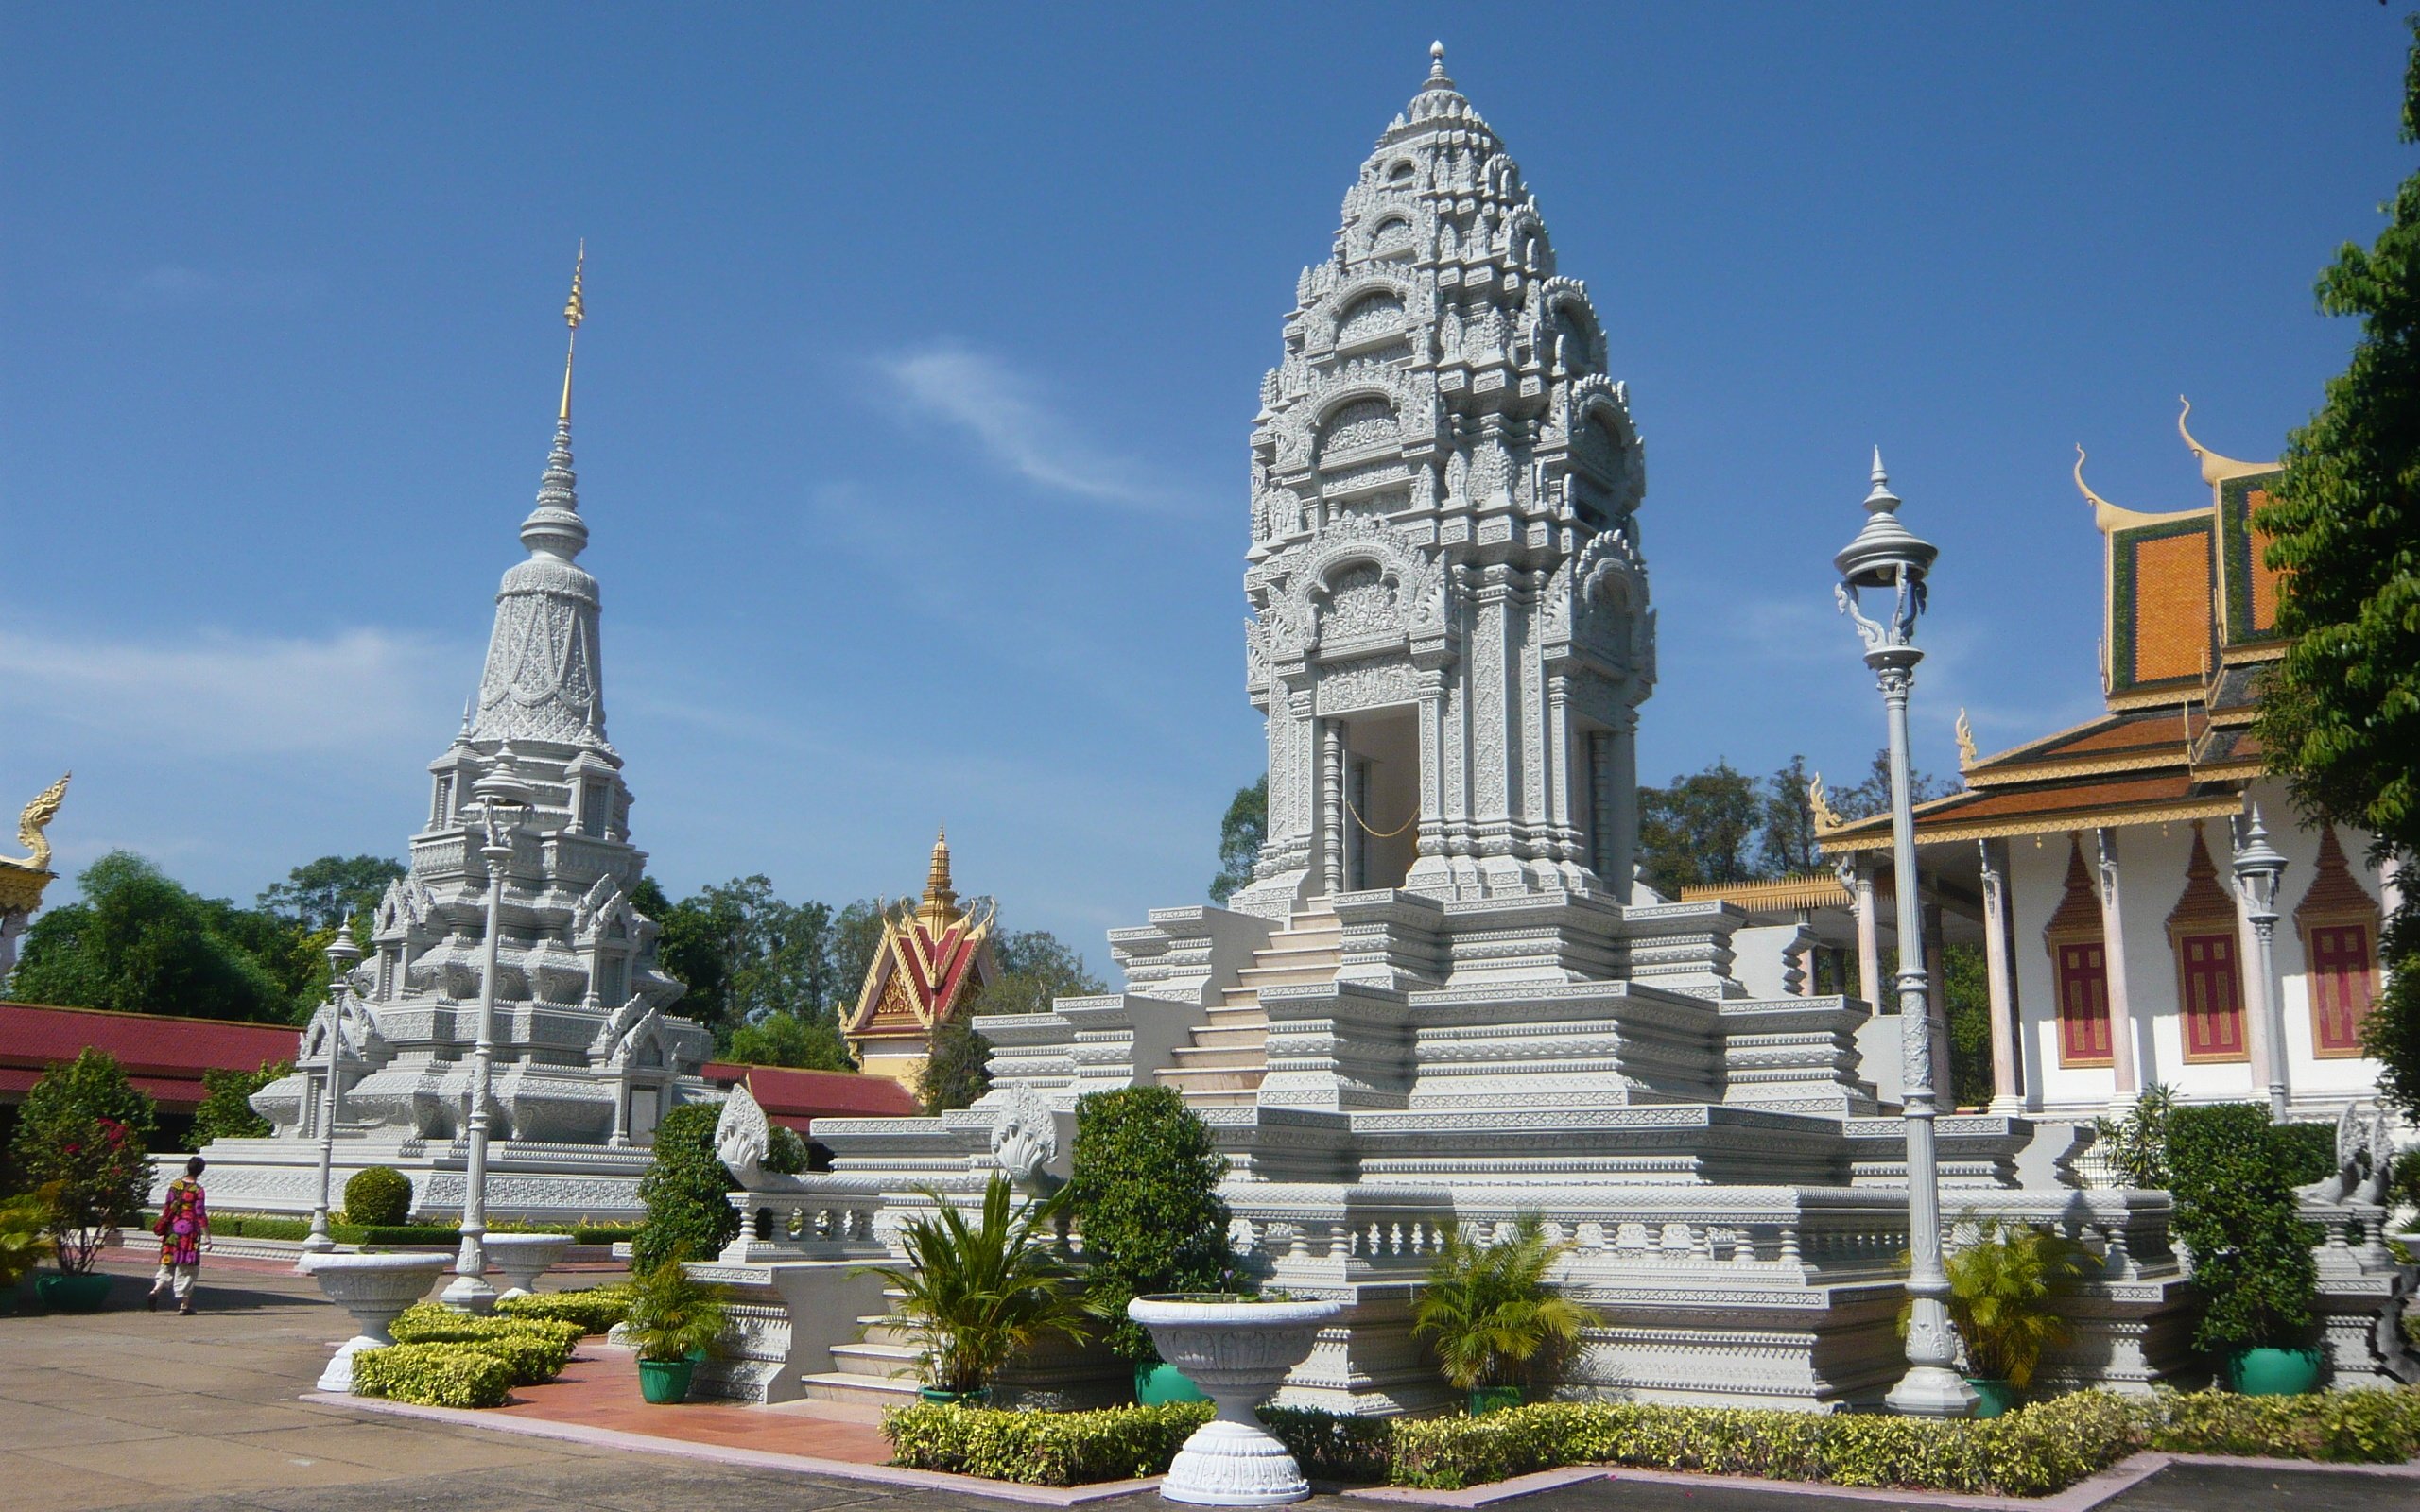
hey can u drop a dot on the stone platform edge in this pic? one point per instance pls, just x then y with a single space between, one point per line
2082 1496
755 1458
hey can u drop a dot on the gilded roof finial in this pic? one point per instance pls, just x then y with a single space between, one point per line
1966 742
1819 805
2215 469
575 311
34 819
941 898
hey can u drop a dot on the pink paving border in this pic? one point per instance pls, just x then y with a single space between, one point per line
755 1458
2082 1496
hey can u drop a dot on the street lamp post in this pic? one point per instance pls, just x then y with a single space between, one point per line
1887 557
502 798
2259 868
342 952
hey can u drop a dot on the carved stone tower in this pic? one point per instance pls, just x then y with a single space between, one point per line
1451 632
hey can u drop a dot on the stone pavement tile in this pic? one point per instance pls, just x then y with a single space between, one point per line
34 1425
189 1464
411 1450
210 1415
2242 1488
64 1388
26 1481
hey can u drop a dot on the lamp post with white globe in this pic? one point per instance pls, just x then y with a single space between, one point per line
1887 557
504 798
342 952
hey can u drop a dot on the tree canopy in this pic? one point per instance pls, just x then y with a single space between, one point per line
318 894
1239 837
138 942
2340 712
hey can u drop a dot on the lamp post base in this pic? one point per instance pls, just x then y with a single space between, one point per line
469 1294
1933 1391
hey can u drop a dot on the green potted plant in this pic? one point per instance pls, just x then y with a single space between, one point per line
25 1240
2253 1265
674 1319
1491 1316
1145 1195
2004 1295
976 1294
80 1139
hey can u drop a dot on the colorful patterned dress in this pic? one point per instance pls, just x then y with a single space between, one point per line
183 1218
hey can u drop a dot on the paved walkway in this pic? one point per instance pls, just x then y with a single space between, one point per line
128 1409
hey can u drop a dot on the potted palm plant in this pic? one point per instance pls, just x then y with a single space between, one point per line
975 1294
24 1242
2004 1295
1491 1316
674 1319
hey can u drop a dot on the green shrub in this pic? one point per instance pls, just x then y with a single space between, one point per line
686 1192
1041 1448
594 1310
379 1196
226 1108
24 1237
2367 1427
433 1375
975 1295
2305 1152
2228 1169
399 1233
604 1233
1332 1446
1487 1309
81 1140
1145 1193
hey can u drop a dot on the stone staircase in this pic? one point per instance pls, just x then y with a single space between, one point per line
879 1370
1229 1055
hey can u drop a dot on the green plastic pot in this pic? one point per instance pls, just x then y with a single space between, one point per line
1156 1385
939 1397
1485 1399
663 1382
2273 1372
86 1291
1993 1397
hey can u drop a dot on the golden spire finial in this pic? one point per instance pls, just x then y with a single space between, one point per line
575 311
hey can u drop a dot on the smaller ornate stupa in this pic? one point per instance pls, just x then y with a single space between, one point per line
934 958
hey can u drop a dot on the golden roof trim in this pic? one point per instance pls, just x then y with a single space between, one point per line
2108 516
2097 767
2059 823
1807 889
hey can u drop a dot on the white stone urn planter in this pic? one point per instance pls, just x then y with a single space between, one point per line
1236 1349
522 1258
375 1289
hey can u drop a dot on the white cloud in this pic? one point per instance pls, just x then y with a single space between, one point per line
219 695
168 285
1006 414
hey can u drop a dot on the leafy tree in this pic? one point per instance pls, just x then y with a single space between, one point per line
318 894
140 943
2236 1210
1239 837
2340 712
1873 795
82 1139
1145 1192
226 1108
1967 999
1786 846
683 1191
1700 829
787 1039
856 935
958 1068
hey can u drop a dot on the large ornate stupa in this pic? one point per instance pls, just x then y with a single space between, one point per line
1441 1004
587 1060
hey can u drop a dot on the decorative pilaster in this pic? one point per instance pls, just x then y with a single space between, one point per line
2122 1046
1331 807
2006 1098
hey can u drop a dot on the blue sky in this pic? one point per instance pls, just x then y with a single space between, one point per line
923 344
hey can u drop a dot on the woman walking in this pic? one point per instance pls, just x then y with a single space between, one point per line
184 1227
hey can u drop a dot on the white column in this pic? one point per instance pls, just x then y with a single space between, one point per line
2122 1047
1331 806
1621 801
1937 982
2005 1097
1869 933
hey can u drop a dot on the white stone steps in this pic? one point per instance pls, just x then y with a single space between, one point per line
1225 1064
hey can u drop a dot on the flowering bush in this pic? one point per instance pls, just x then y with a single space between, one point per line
81 1140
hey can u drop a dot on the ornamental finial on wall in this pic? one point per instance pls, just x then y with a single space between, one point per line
34 819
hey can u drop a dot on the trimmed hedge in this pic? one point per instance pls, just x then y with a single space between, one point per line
535 1349
432 1375
379 1194
2032 1451
276 1225
594 1310
1041 1448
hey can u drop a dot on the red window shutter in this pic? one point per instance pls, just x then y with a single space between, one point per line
2213 998
2083 1004
2341 987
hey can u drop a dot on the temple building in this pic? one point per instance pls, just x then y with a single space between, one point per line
2104 867
588 1059
1442 1002
934 960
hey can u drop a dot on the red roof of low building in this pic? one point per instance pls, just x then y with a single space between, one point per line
163 1054
796 1098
